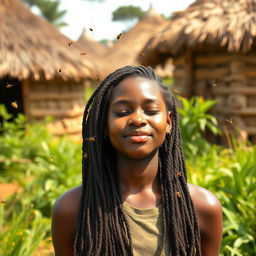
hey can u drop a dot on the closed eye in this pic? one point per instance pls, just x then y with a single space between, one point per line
121 112
152 111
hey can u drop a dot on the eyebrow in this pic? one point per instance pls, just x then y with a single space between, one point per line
147 101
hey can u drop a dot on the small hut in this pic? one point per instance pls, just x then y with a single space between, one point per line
213 45
94 50
41 71
92 46
130 44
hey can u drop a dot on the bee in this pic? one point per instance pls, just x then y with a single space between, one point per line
9 85
85 155
69 44
179 174
51 158
60 70
142 54
177 91
214 84
83 53
14 104
91 29
91 139
178 194
119 36
229 121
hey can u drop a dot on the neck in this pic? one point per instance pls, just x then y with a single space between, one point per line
136 176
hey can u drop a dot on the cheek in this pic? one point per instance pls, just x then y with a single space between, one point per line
160 123
114 126
160 119
115 134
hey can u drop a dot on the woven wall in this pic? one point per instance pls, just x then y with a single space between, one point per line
64 101
230 78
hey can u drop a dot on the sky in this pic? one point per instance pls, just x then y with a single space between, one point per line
85 14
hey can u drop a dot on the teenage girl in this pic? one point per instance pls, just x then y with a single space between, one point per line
134 198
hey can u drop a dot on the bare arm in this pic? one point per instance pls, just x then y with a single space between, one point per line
209 214
64 221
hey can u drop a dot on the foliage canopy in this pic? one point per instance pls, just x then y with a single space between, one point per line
50 10
127 13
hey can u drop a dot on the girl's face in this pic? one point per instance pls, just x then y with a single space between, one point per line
137 118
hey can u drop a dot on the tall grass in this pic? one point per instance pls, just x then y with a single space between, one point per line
22 232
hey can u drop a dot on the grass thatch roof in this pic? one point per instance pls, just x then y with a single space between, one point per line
31 48
92 46
126 50
223 23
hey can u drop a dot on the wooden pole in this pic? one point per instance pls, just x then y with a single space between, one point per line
26 99
190 76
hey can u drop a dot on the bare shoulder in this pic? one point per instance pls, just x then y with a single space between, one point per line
204 200
64 221
68 203
209 214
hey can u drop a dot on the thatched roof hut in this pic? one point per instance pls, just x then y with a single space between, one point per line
45 69
92 46
230 24
94 50
213 46
126 50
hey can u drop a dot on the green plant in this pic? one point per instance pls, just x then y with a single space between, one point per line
239 203
168 81
89 91
193 123
23 232
50 165
57 169
20 144
231 176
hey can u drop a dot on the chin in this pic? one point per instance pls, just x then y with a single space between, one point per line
139 154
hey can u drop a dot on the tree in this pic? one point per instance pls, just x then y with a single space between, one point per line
92 1
31 3
127 13
49 10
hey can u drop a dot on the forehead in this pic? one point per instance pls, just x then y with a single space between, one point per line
137 89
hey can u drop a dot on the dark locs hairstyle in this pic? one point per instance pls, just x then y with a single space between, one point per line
102 225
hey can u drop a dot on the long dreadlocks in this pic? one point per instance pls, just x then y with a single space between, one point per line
102 226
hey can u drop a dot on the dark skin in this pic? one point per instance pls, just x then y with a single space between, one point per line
137 124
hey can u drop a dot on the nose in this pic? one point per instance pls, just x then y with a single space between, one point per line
137 119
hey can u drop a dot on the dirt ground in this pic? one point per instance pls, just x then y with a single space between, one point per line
8 190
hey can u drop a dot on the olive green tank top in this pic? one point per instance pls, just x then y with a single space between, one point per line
146 227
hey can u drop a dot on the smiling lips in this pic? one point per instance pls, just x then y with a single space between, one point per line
138 137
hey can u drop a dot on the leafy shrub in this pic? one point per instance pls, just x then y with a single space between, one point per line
231 176
55 167
23 232
193 123
20 145
51 166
